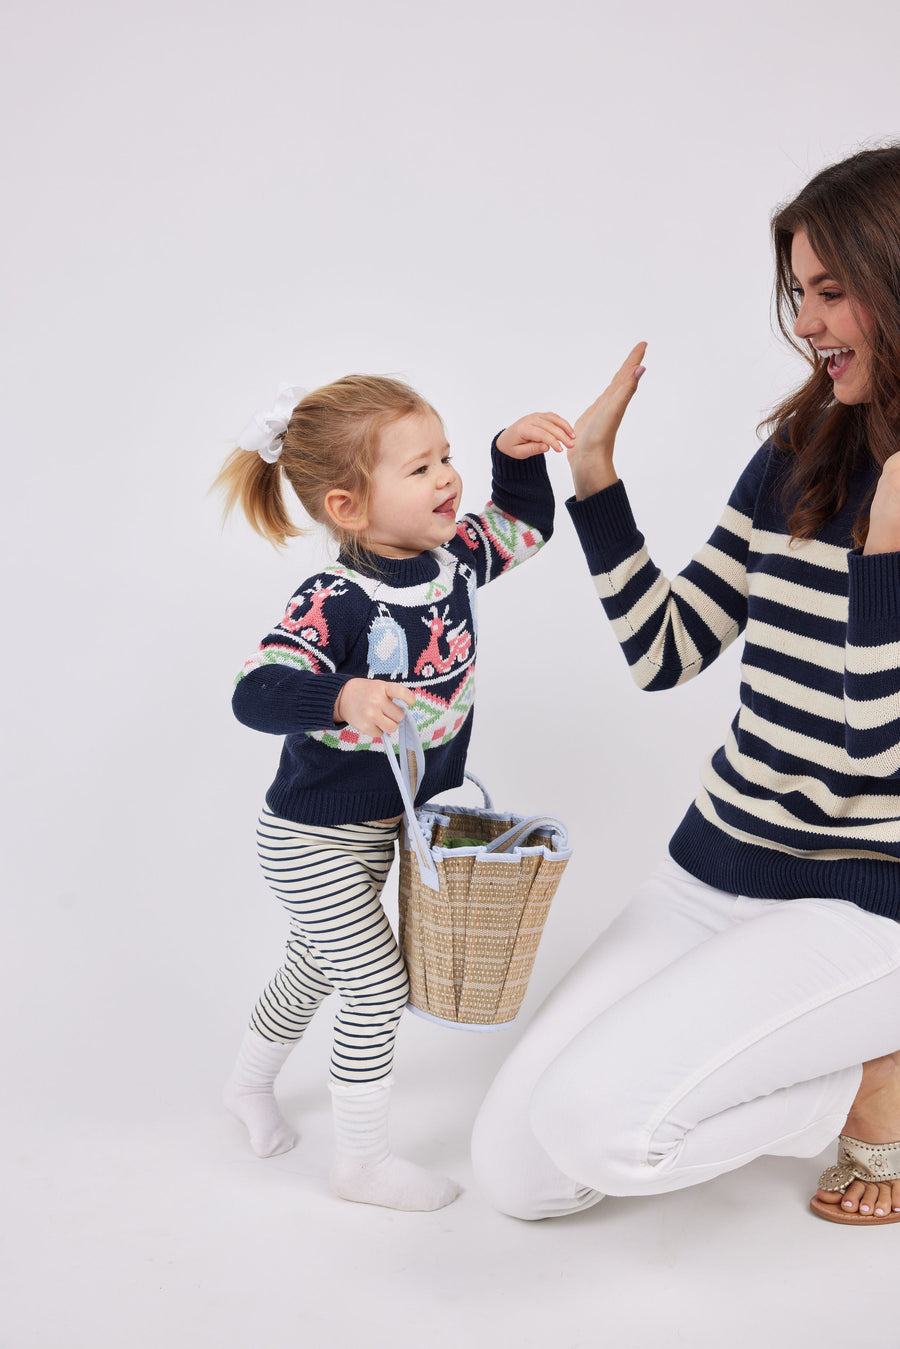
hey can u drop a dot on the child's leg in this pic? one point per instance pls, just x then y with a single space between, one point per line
250 1094
365 1170
285 1007
335 900
330 881
292 996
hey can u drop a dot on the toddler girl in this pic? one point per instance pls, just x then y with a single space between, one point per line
393 618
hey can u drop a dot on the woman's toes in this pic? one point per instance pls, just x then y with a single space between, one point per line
852 1195
829 1196
895 1196
867 1201
883 1201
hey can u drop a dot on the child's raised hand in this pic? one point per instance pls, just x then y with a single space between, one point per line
591 456
367 705
536 434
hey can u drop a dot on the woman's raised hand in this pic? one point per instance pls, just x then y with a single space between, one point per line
591 457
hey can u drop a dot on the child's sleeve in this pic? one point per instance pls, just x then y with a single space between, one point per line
292 682
516 522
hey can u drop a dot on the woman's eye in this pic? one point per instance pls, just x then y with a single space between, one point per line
831 294
797 292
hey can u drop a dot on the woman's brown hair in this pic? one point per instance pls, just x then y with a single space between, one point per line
850 213
331 442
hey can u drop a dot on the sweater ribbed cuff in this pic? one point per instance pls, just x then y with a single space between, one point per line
521 488
507 469
605 526
281 701
874 590
319 698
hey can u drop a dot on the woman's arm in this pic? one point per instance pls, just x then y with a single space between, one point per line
872 663
669 630
591 455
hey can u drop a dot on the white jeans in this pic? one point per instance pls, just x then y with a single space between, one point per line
699 1031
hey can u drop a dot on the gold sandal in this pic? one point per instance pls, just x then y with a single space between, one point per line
872 1163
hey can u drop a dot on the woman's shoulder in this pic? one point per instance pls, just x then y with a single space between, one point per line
758 490
767 460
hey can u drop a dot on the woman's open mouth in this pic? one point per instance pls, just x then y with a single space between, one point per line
839 359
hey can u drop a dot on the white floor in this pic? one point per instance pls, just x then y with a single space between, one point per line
136 1218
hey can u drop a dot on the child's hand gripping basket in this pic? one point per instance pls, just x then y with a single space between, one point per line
475 890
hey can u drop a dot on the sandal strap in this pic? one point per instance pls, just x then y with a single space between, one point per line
871 1162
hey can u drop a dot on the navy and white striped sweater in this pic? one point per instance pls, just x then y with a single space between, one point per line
803 798
411 620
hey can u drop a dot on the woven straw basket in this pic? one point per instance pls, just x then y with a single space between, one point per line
471 915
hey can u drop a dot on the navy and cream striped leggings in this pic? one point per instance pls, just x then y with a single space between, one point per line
330 881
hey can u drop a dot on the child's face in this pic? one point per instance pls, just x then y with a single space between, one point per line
414 491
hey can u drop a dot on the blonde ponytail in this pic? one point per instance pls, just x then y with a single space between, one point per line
331 442
254 485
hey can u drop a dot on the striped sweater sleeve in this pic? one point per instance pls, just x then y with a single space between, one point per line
669 630
872 664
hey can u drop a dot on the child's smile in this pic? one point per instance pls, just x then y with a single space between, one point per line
415 490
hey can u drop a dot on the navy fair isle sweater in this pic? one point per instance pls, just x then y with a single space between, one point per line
803 798
410 620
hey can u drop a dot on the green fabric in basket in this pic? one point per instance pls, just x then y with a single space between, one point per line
462 842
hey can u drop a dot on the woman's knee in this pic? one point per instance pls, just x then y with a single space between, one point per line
591 1128
501 1170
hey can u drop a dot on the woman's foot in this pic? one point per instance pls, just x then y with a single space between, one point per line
874 1118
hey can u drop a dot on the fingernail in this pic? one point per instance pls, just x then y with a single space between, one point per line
864 1208
880 1212
846 1204
639 370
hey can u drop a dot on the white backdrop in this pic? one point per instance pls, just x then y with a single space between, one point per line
494 200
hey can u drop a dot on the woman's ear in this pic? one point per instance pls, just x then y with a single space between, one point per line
344 511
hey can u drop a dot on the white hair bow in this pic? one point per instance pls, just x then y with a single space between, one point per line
264 433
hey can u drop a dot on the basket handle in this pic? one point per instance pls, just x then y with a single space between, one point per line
488 803
523 829
410 746
408 766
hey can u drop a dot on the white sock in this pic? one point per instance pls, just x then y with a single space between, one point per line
249 1094
365 1170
